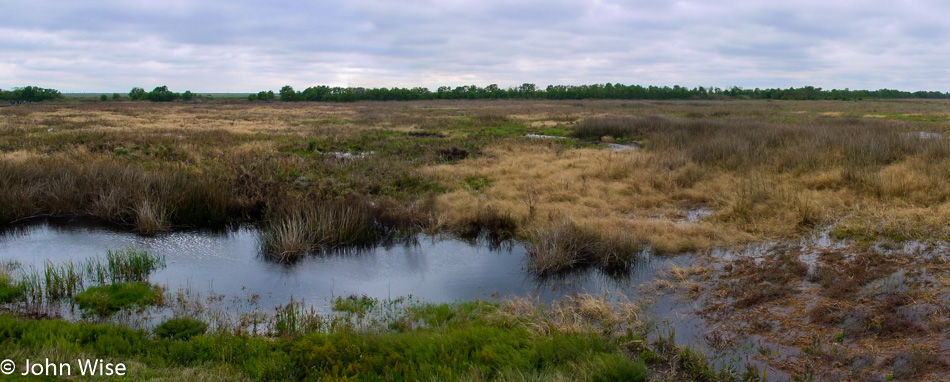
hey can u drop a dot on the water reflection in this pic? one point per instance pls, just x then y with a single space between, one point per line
227 262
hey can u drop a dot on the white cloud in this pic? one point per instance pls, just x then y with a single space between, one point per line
247 46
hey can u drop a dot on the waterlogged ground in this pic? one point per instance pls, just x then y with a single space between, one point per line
730 188
772 305
821 309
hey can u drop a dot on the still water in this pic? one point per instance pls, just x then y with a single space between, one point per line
432 269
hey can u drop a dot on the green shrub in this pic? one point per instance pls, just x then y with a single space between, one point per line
181 328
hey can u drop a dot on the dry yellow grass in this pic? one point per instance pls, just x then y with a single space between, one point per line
582 313
618 193
645 194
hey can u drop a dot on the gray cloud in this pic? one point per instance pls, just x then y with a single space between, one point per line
247 46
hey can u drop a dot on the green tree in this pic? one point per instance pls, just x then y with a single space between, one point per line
138 94
287 93
116 96
103 98
162 94
34 94
266 95
187 95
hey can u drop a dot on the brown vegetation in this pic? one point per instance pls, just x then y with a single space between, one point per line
708 174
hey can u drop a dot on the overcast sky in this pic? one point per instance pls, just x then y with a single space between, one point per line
243 46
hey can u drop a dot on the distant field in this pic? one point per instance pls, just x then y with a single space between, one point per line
585 183
95 96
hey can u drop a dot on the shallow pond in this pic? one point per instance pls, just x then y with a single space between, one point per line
228 263
430 269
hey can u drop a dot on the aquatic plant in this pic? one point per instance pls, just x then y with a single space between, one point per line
124 266
319 226
63 280
10 290
107 299
565 245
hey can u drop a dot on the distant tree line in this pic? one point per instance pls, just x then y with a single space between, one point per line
161 94
29 93
595 91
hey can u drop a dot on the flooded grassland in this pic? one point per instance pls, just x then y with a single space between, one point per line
803 239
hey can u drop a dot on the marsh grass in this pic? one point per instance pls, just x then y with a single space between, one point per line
11 290
765 169
122 266
58 282
305 228
461 342
180 328
296 318
62 280
566 245
151 200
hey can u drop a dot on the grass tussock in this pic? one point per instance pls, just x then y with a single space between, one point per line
105 300
320 226
564 246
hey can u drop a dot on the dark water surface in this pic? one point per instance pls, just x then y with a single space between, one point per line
228 263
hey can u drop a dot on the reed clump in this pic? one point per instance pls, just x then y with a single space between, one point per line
126 265
63 280
308 227
566 245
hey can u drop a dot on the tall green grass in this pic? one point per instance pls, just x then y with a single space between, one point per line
59 281
63 280
124 266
